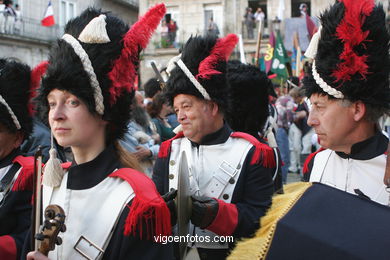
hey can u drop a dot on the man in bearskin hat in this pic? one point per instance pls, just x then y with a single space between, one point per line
250 109
16 171
340 213
230 173
349 91
112 210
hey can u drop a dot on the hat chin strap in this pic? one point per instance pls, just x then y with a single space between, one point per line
87 65
311 52
12 114
191 77
325 87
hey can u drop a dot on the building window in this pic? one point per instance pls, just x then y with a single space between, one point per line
295 4
213 11
67 11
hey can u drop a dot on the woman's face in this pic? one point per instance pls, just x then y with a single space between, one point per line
71 122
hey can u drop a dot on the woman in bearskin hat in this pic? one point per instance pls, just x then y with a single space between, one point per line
16 171
112 210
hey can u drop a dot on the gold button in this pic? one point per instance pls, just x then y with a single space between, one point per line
171 176
172 162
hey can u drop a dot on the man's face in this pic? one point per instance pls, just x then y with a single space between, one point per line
333 122
8 141
195 116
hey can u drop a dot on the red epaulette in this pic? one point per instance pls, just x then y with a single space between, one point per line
25 179
263 153
147 207
305 169
165 147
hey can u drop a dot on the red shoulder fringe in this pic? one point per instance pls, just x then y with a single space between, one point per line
263 153
148 207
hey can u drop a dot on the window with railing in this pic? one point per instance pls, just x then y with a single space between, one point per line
67 11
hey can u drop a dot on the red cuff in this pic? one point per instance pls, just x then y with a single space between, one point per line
226 220
7 248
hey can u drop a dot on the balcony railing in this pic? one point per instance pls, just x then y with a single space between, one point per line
32 29
131 3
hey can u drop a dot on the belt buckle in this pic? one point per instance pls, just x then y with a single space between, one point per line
90 244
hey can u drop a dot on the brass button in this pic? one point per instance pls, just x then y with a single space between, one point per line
171 176
232 181
172 162
225 196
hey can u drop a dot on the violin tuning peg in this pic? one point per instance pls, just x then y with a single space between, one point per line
58 241
63 228
39 237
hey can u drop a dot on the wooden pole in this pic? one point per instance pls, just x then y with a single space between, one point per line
258 44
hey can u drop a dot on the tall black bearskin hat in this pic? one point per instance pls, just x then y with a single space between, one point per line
97 60
351 54
248 89
201 69
14 96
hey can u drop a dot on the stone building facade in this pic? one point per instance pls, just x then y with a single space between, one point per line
31 43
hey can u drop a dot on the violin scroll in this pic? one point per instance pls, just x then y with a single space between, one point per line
53 224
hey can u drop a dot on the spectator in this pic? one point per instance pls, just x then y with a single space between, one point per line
158 111
18 20
284 106
10 15
151 87
141 139
2 16
172 29
249 22
212 28
259 15
164 34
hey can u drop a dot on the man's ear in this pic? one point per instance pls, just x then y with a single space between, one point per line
18 139
359 110
214 108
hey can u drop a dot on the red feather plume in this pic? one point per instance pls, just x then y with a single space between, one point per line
351 34
36 75
124 72
220 52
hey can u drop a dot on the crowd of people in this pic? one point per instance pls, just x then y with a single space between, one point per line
114 154
168 33
10 17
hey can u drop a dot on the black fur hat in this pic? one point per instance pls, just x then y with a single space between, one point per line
205 58
249 96
15 90
114 56
352 56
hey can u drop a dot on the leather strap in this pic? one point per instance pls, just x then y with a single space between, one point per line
386 178
8 177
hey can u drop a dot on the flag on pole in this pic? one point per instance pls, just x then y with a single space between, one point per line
280 58
311 27
48 19
269 52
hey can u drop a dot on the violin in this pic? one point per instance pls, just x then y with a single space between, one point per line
53 224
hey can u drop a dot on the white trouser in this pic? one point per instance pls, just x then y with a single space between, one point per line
2 23
295 142
306 142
